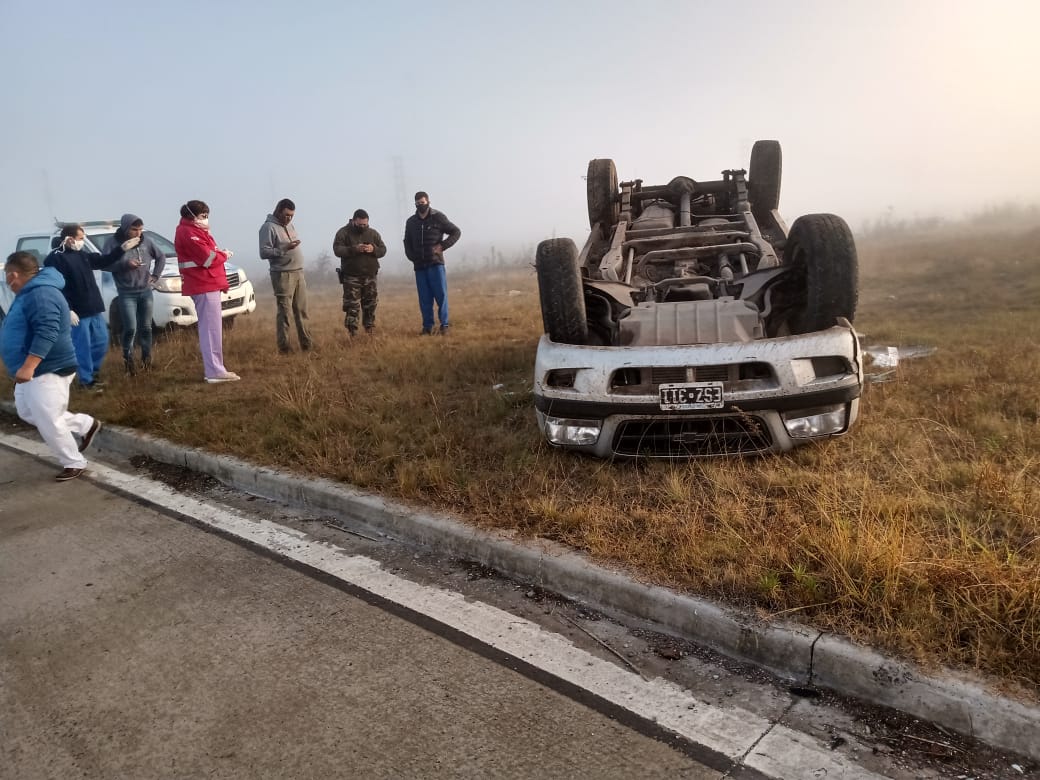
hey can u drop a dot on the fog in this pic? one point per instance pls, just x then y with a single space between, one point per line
883 108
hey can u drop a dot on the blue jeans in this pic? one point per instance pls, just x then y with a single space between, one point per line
90 340
432 285
135 311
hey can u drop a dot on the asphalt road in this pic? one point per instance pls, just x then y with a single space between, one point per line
199 631
135 645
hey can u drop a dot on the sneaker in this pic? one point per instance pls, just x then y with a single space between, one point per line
67 474
92 387
88 437
228 377
426 332
146 363
131 369
445 329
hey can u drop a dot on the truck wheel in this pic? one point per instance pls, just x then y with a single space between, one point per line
604 202
115 324
822 256
560 291
764 178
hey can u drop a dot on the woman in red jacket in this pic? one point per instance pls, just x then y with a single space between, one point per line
203 278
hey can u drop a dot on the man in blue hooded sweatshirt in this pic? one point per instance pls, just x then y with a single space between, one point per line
36 346
135 275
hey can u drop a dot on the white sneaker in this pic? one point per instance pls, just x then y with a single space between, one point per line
228 377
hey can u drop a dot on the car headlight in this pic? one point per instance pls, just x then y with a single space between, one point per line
826 421
242 278
559 430
168 284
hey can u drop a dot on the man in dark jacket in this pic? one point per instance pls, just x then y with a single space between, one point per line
427 233
135 275
89 331
359 248
36 345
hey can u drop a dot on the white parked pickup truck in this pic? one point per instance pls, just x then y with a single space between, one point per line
170 307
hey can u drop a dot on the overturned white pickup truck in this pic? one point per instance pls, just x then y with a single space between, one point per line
694 323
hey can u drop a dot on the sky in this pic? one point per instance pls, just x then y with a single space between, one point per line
916 108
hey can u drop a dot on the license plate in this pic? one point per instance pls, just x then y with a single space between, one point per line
694 395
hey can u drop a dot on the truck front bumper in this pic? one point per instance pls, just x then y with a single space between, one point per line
762 396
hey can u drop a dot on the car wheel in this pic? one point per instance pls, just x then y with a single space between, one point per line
115 324
603 197
823 284
560 291
764 178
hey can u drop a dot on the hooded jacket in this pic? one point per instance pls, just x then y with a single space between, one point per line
353 262
200 262
422 235
78 266
126 276
38 324
273 238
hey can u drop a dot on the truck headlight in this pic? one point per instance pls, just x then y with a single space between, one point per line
560 430
168 284
821 422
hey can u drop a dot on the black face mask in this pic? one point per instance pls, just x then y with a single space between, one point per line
356 228
423 209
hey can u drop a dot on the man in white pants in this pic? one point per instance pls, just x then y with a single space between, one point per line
36 344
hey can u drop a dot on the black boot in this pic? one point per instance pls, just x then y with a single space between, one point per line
131 369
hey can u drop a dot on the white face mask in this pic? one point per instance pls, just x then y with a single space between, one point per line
77 245
202 222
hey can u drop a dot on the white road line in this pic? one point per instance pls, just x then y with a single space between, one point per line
731 731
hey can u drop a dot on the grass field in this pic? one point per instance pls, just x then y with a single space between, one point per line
919 533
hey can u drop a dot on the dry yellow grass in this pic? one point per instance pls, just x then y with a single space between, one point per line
919 533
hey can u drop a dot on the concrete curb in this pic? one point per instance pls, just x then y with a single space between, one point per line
796 653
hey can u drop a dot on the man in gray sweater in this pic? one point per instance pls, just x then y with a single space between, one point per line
281 248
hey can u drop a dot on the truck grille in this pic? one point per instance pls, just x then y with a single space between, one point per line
232 278
722 435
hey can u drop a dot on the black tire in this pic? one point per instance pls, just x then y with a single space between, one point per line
603 196
823 284
228 323
764 176
115 324
560 291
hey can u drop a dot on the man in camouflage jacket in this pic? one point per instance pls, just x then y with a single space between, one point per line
359 248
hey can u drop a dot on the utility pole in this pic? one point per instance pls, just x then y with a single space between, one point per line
400 191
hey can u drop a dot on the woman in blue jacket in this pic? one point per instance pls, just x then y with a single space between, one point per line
36 345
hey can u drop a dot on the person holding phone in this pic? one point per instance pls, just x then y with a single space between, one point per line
203 278
359 247
280 246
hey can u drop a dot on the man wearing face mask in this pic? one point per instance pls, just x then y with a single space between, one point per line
359 248
89 330
280 246
427 233
135 275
